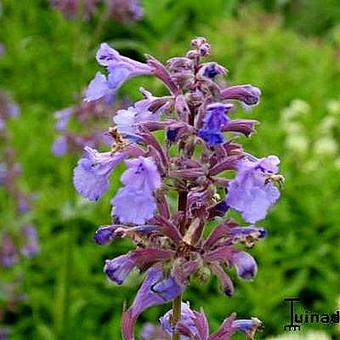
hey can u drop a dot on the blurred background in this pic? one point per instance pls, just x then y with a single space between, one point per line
51 280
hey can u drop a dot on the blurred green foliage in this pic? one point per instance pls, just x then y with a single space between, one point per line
48 60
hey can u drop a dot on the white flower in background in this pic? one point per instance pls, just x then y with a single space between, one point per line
327 124
300 106
293 128
325 147
296 109
297 143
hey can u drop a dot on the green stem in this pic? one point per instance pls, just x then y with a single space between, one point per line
176 315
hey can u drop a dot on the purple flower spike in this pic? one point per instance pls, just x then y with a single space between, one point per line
214 121
175 149
91 175
252 192
155 290
245 265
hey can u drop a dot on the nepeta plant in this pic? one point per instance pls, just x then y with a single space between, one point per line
191 164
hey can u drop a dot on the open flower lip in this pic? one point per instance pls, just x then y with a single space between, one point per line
189 162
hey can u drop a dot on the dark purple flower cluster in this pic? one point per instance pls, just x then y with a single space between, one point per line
70 123
119 10
193 166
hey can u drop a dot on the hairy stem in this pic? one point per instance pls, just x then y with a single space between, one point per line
176 315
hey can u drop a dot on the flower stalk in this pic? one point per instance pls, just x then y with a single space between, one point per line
176 316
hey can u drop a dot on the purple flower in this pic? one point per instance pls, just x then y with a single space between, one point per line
135 203
23 203
127 120
13 109
133 206
142 174
101 86
245 264
119 268
62 118
214 120
60 147
105 234
109 57
247 326
91 175
151 103
211 70
187 318
247 94
252 192
155 290
31 247
120 69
